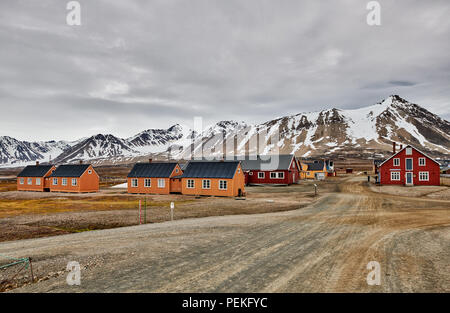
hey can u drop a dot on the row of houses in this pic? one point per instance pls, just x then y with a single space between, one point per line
409 166
64 178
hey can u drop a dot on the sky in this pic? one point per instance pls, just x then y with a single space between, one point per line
134 65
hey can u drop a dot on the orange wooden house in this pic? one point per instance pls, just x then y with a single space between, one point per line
34 178
74 178
154 178
213 178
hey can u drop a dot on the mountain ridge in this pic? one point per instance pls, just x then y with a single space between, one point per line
366 131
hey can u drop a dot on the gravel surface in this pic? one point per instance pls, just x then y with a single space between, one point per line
324 247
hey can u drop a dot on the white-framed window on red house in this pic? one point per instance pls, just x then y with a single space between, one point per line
424 176
223 184
147 182
261 175
38 181
74 181
30 181
395 176
422 162
134 182
22 181
55 181
396 161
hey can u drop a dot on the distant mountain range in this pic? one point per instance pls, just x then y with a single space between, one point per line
364 132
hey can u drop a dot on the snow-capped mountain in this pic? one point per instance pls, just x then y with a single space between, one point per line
368 132
16 153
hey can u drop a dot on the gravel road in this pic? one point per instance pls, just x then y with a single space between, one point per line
324 247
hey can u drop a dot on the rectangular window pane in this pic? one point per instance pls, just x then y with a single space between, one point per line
74 181
161 183
55 181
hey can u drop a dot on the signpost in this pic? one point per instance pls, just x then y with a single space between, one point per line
172 206
140 213
315 190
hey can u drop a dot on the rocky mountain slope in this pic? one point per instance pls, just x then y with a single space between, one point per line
364 132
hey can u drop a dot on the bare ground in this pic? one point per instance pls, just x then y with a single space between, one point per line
323 247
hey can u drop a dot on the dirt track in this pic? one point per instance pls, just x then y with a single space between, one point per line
324 247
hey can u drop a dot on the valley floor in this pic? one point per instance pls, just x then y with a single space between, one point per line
322 247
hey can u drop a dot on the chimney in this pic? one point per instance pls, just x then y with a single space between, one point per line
81 161
393 147
401 146
37 163
150 160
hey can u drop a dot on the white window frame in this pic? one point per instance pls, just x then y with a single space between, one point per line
397 176
161 183
277 175
38 181
206 182
396 161
261 176
189 185
134 182
90 172
250 173
422 176
63 181
408 151
424 162
21 180
55 181
74 180
406 164
223 185
147 182
29 181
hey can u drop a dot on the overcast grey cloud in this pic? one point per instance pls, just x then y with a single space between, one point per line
134 65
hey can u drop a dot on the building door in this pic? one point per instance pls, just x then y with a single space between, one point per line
409 178
293 178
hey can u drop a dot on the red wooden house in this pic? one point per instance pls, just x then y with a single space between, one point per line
270 169
409 167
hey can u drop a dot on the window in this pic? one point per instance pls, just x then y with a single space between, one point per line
421 161
239 170
190 183
397 162
134 182
395 175
90 172
38 181
55 181
147 182
74 182
21 180
423 176
409 164
261 175
250 173
30 181
161 183
408 151
64 182
206 184
176 170
279 175
222 184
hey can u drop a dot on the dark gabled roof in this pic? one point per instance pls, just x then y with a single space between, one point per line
210 169
274 162
70 170
35 171
315 166
152 169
